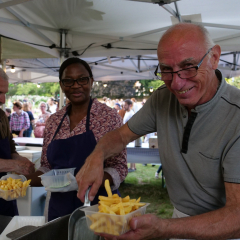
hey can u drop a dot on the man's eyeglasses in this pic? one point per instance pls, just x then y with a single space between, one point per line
80 81
183 74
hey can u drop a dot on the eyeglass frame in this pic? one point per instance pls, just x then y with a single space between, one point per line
196 67
75 80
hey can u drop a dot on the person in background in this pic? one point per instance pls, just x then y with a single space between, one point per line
128 114
117 106
121 110
30 106
10 160
158 171
128 108
135 106
72 133
41 121
105 100
57 102
28 132
19 121
8 112
196 115
52 105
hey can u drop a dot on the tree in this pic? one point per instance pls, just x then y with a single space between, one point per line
234 81
45 89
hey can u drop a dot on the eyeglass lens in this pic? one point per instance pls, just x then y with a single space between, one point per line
185 73
80 81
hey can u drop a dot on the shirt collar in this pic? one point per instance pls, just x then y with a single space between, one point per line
95 109
215 99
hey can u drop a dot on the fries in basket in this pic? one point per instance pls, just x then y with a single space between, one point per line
11 189
115 213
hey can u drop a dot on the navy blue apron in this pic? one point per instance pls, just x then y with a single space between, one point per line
7 208
68 153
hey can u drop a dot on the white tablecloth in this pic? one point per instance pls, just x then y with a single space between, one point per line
29 140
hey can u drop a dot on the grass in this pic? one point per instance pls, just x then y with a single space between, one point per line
142 183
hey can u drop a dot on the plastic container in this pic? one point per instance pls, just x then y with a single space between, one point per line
110 223
57 178
13 194
20 221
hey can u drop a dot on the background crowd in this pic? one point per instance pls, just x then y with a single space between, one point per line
24 121
28 121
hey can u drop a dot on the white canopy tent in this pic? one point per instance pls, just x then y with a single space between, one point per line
118 38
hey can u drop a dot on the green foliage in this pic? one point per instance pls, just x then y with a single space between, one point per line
234 81
142 183
26 89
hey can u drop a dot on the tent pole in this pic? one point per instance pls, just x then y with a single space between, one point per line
3 63
63 45
61 95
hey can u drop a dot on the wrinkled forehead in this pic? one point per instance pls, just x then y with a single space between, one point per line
184 42
180 52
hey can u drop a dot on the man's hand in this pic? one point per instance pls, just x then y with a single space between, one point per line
145 227
22 165
91 174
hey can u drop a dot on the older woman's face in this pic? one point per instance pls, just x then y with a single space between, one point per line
43 107
77 94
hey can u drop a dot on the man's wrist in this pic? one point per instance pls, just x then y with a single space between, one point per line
98 154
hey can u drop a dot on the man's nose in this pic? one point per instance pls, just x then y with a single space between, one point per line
177 82
2 98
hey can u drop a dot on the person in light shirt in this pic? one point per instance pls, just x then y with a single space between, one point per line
128 114
128 108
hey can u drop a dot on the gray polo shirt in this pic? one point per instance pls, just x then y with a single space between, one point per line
198 153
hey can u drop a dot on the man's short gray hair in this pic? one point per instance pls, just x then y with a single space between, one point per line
3 75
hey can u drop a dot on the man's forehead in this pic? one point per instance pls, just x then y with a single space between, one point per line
182 62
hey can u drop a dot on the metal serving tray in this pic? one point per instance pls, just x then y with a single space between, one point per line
78 229
56 229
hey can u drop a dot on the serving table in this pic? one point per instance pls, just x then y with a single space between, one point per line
28 140
142 154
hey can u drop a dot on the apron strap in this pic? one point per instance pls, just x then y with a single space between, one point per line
68 111
88 115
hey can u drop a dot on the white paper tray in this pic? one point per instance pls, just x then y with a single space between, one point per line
21 221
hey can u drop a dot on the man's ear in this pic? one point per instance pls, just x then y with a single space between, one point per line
216 53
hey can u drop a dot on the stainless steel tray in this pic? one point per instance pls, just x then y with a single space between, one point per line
21 232
56 229
78 229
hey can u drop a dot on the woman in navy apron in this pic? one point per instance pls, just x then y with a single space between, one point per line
72 152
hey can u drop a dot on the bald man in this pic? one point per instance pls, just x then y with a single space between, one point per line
196 116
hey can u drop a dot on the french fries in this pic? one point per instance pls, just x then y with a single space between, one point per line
11 189
114 221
